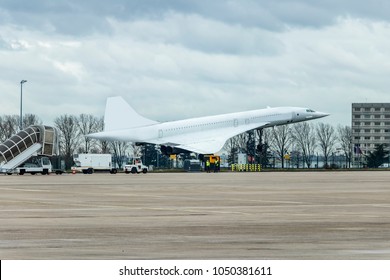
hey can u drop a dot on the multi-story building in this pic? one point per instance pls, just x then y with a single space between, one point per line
370 127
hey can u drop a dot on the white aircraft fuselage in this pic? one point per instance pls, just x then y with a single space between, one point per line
204 135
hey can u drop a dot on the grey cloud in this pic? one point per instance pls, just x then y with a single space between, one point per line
198 33
62 16
233 44
88 16
72 17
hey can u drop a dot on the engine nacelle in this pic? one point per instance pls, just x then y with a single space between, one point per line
168 150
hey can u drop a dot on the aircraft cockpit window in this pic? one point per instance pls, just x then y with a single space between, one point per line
310 111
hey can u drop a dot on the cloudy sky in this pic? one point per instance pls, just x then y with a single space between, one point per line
175 59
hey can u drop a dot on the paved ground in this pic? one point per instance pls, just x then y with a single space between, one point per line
307 215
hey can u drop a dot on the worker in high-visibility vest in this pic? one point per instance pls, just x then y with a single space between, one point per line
208 166
216 165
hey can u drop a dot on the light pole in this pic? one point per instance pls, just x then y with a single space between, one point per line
21 104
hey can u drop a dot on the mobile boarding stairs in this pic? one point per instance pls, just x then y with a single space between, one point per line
33 141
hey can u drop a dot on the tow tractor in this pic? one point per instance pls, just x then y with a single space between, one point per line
135 166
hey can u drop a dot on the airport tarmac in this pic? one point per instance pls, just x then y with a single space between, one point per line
268 215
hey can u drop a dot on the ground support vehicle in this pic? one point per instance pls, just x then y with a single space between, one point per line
35 165
90 163
135 166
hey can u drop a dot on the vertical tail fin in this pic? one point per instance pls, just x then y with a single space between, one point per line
120 115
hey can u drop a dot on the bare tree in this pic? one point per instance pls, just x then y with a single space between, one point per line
103 145
87 124
345 140
264 141
326 138
67 125
135 150
8 126
231 147
236 144
119 149
244 142
296 155
251 145
31 119
241 142
282 140
305 139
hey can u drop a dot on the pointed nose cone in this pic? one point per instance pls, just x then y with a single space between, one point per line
321 115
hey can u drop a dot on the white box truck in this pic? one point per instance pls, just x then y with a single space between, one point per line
90 163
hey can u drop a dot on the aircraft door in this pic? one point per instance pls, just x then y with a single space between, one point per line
160 133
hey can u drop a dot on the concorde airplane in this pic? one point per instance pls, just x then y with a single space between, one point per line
203 135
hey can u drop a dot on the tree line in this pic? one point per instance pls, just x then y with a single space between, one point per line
294 143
